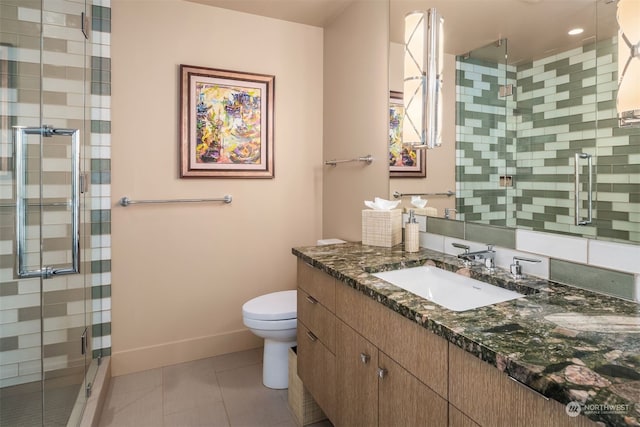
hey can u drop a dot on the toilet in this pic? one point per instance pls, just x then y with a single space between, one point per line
273 317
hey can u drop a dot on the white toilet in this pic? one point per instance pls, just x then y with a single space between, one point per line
273 317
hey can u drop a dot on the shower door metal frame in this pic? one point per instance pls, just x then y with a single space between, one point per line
21 218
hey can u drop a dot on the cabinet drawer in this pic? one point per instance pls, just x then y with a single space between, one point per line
318 284
320 321
418 350
317 370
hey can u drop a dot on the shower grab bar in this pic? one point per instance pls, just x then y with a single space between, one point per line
579 219
125 201
447 193
19 133
368 159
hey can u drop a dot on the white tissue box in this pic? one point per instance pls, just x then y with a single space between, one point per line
382 228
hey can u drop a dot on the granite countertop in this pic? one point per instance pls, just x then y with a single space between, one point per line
564 342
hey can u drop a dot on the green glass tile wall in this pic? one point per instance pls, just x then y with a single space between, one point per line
565 105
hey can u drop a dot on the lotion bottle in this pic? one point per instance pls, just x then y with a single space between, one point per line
411 234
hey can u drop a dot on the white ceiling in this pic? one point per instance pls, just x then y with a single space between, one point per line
533 28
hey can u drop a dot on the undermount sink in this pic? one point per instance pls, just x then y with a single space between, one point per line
450 290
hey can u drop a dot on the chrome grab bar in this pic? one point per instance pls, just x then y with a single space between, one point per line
125 201
579 219
447 193
19 133
368 159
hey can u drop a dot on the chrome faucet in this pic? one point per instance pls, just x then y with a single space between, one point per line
485 257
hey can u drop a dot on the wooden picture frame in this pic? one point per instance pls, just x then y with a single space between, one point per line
226 123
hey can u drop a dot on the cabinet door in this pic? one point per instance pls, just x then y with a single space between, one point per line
491 398
357 379
458 419
317 370
405 401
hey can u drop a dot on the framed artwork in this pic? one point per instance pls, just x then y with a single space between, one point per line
403 161
226 122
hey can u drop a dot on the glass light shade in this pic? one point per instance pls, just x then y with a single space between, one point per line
628 101
415 69
423 64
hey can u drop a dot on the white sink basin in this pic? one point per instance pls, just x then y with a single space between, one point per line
450 290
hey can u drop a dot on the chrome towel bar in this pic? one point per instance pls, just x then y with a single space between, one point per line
447 193
368 159
125 201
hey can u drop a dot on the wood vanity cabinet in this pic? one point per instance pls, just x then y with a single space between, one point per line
316 335
490 398
375 348
366 365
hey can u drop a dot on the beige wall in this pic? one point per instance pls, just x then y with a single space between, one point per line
356 114
441 161
182 272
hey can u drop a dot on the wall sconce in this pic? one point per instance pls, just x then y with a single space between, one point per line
423 63
629 62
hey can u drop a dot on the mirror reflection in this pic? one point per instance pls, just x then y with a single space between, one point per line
532 112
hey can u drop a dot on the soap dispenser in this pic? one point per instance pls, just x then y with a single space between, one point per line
412 234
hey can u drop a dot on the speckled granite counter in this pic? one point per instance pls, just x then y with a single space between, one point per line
566 343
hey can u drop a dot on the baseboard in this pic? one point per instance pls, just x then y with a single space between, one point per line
157 356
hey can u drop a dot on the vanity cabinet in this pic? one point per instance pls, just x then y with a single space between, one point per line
316 335
367 365
489 397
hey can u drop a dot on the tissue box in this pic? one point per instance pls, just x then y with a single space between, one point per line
382 228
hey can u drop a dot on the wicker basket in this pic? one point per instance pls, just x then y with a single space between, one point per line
382 228
304 408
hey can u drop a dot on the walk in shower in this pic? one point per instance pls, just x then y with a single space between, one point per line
54 208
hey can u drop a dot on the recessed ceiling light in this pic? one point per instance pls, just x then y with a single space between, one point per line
575 31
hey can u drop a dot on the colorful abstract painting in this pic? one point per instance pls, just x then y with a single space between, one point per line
227 123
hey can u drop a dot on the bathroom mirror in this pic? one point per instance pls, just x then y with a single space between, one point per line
534 118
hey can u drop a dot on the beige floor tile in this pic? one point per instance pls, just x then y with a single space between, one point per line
149 379
249 403
189 385
208 415
139 408
240 359
220 391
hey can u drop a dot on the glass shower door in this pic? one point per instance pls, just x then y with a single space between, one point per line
44 285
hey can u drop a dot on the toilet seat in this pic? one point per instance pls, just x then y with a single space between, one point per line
270 325
275 306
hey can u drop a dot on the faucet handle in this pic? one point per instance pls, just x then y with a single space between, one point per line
516 268
461 246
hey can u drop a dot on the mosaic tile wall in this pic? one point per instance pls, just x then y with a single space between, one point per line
73 87
565 104
485 141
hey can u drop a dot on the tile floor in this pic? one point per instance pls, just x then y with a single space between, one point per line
224 390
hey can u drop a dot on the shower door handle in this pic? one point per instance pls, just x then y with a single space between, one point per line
579 219
19 134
